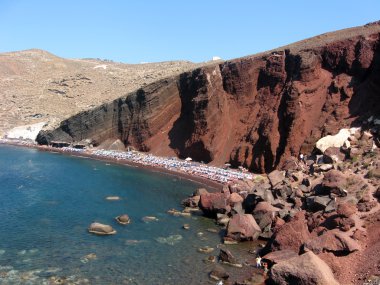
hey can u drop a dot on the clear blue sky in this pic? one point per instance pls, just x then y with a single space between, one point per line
140 30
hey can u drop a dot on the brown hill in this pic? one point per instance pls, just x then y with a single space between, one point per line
254 111
37 86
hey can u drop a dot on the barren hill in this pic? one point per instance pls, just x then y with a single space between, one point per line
37 86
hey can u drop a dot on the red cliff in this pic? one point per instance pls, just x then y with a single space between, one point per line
254 111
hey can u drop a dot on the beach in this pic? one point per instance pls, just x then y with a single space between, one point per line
213 177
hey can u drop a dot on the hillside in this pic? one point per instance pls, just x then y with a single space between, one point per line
254 111
37 86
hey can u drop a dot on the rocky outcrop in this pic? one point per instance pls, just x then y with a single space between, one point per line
243 227
291 235
255 111
101 229
304 269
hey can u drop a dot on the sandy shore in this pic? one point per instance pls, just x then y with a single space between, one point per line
209 184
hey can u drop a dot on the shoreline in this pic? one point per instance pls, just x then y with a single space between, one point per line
94 154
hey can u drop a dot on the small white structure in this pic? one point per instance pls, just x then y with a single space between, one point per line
188 159
27 132
103 66
338 140
214 58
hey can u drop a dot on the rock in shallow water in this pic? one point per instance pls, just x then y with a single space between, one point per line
123 219
170 240
147 219
113 198
101 229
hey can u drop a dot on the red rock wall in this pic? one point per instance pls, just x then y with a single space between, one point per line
254 111
258 111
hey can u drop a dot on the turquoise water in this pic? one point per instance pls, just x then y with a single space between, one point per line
48 200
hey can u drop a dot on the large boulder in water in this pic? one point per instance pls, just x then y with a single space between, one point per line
243 227
101 229
213 203
304 269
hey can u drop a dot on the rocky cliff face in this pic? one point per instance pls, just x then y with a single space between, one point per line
254 111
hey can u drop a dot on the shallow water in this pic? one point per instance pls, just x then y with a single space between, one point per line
48 200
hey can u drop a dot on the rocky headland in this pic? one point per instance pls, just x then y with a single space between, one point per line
318 215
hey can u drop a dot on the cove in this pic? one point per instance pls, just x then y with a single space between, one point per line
48 200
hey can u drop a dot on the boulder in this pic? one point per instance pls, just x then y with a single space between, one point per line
243 227
200 191
377 193
222 219
343 223
213 203
191 202
123 219
241 186
335 182
235 198
291 235
325 167
304 269
237 208
265 207
333 155
226 256
337 140
346 210
332 241
219 273
317 203
366 206
276 177
101 229
291 164
280 256
264 213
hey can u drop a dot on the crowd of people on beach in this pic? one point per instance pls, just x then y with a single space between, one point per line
175 164
222 175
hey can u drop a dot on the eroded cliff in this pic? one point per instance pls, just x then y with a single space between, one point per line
254 111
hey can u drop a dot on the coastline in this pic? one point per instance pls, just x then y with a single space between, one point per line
214 186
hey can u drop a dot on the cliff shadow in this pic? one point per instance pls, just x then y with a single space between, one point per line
183 138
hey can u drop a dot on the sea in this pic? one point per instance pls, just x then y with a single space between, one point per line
48 200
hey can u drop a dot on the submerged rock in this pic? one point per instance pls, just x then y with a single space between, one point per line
226 256
170 240
219 273
113 198
206 249
147 219
123 219
101 229
88 257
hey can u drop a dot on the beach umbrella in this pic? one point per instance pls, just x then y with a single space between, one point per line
188 159
227 164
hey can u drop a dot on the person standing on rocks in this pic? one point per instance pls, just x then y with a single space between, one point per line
258 261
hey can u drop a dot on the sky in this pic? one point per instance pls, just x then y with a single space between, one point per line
152 30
